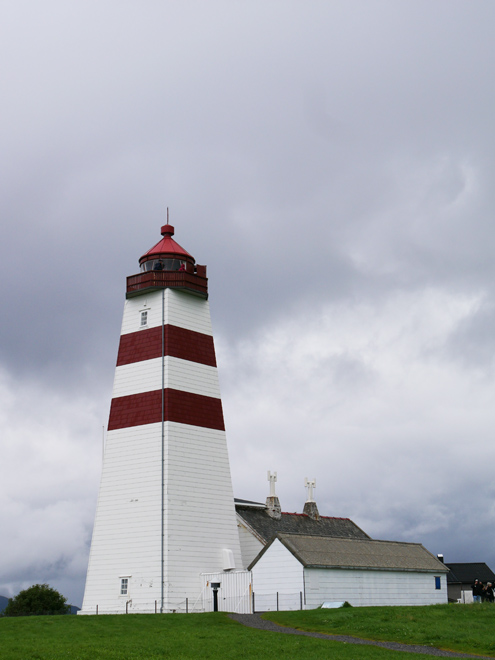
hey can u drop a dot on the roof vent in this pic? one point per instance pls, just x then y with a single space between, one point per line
228 560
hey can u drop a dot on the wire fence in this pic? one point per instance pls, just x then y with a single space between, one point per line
248 603
278 601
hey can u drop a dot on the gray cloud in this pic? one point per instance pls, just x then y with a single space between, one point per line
333 166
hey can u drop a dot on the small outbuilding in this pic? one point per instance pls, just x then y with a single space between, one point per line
296 571
462 575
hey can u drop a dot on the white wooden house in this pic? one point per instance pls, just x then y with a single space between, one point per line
301 572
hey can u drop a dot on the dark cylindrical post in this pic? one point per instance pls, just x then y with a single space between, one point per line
253 602
97 609
155 607
127 607
300 598
215 600
277 601
187 605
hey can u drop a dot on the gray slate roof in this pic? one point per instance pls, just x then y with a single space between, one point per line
467 573
325 552
296 523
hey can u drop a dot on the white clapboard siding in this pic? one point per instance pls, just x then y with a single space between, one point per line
250 545
277 571
373 587
234 594
183 375
181 309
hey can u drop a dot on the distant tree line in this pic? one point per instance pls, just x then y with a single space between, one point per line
38 599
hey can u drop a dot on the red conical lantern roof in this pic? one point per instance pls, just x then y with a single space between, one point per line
167 247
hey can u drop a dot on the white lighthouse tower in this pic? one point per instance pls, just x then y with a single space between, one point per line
165 512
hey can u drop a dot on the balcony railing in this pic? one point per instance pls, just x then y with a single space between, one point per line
161 279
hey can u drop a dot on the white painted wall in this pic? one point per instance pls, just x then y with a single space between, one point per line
250 545
182 309
200 514
363 587
234 594
277 571
127 530
183 375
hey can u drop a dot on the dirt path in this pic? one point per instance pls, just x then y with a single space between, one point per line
255 621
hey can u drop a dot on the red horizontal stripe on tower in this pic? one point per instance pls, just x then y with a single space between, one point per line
178 342
180 407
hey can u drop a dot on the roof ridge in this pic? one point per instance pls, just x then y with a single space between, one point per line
289 513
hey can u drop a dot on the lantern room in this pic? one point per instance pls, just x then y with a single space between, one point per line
167 264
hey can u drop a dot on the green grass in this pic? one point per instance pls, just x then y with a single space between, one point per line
463 628
168 636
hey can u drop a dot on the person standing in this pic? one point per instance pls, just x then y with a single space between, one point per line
477 588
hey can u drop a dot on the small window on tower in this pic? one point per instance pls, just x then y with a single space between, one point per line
144 318
124 586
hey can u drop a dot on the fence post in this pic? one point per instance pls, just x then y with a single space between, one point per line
277 601
253 603
155 606
97 609
300 598
187 605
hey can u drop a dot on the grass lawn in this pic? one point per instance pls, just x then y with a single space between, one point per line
174 636
464 628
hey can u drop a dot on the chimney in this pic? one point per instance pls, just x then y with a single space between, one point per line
272 504
310 508
440 558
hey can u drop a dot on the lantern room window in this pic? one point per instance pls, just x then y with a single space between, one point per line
163 264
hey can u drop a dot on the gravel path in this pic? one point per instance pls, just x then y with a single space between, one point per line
255 621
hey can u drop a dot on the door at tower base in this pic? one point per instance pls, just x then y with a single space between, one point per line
165 512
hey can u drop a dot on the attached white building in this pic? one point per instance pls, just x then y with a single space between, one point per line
301 572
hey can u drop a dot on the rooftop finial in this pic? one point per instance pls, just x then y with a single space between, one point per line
168 230
272 478
310 508
272 502
310 484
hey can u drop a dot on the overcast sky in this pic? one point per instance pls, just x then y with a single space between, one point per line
333 164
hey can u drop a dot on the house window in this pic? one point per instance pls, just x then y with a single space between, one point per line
438 584
144 318
124 586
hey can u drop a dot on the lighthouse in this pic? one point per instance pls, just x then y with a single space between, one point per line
165 516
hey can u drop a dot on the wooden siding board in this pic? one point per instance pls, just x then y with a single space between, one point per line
181 407
148 343
146 376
